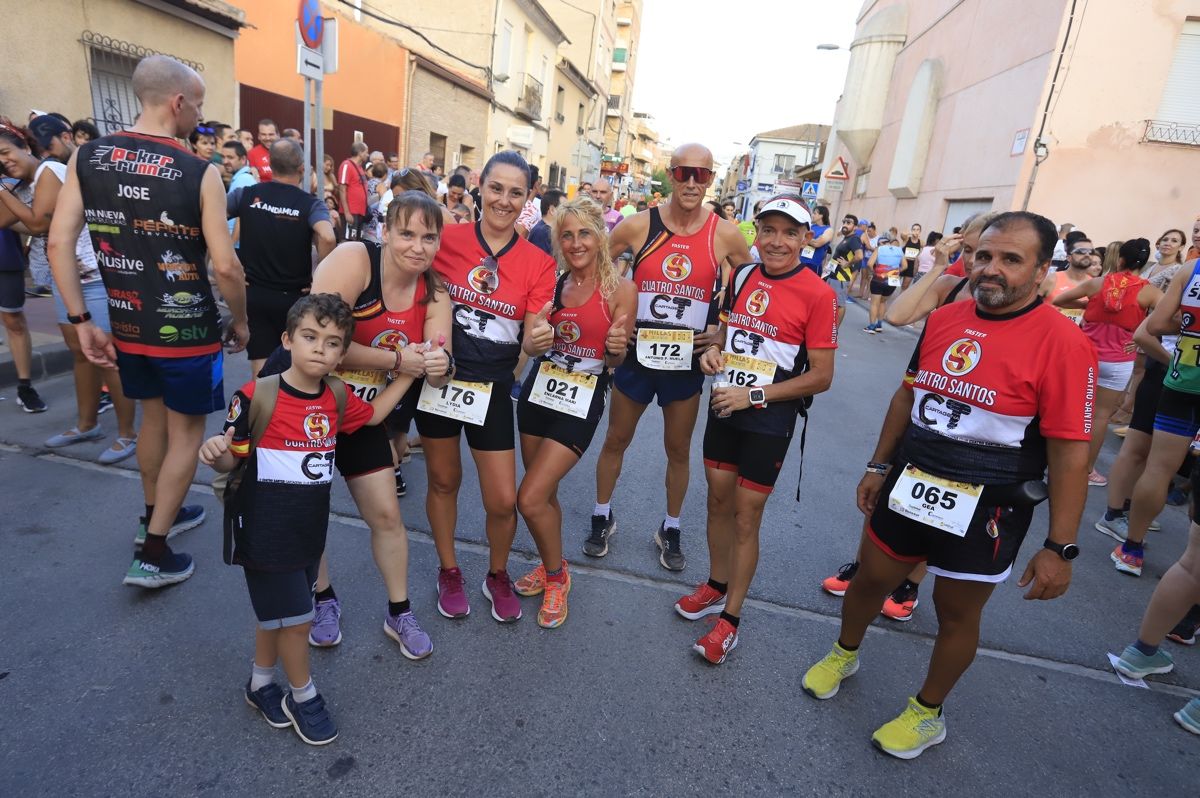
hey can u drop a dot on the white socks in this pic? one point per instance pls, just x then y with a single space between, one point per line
261 677
671 522
306 693
602 509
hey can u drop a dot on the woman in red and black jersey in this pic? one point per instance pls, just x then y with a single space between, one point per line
500 287
402 319
562 399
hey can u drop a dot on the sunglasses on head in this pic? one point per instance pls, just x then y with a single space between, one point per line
683 174
1083 251
205 130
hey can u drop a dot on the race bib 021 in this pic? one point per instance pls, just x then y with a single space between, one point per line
461 401
566 392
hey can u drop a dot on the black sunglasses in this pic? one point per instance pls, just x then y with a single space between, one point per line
1083 251
490 263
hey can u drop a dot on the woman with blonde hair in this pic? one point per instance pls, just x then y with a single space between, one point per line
562 399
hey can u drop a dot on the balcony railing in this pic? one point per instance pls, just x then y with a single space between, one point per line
614 102
530 103
1172 133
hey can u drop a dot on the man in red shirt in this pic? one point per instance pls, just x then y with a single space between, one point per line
352 190
260 154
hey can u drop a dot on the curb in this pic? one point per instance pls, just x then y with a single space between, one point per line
48 361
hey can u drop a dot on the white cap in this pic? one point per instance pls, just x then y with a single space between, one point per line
791 208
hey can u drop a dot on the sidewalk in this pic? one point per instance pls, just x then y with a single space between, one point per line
50 354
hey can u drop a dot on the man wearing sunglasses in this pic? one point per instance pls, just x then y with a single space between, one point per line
1079 260
683 253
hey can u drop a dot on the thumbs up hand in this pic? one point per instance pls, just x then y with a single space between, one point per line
437 361
540 336
214 447
617 338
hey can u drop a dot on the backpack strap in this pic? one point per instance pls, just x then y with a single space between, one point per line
262 407
740 276
339 395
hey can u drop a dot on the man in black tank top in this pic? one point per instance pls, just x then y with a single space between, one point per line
277 225
155 214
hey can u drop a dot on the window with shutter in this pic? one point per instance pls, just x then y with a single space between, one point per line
1178 119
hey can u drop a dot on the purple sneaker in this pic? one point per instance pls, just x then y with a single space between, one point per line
405 630
452 594
326 632
506 607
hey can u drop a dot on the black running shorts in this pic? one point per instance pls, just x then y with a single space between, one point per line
571 431
1145 401
757 458
495 435
985 554
364 451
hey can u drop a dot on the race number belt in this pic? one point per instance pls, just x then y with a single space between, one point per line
940 503
461 401
666 350
564 391
893 277
911 252
363 383
748 372
808 252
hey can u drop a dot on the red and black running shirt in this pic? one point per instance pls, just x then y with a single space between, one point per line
490 305
777 318
990 389
284 496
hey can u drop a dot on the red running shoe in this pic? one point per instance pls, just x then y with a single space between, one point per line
839 583
716 645
705 600
900 604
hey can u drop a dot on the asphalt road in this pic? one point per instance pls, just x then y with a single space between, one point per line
109 690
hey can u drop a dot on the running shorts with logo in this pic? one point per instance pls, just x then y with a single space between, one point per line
1178 413
985 404
282 598
1179 405
193 386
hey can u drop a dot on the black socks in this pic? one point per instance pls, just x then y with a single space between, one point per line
928 705
720 587
397 607
326 594
153 549
733 619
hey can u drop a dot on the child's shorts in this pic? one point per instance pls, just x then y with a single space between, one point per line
282 598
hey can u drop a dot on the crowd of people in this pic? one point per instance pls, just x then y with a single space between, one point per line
485 306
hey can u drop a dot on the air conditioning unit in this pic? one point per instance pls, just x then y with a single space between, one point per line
501 78
455 160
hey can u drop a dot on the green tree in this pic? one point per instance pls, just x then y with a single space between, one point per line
661 183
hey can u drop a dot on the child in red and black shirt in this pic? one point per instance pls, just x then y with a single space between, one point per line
282 504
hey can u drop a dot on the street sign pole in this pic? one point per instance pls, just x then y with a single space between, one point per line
305 141
320 130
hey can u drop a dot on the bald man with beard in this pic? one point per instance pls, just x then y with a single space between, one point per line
683 254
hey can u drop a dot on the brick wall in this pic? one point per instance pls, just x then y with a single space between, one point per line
439 107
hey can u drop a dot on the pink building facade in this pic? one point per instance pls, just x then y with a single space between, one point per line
1085 112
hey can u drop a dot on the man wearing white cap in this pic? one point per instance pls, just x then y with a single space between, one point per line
779 333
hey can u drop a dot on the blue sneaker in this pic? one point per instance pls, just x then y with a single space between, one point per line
326 629
1189 716
404 629
1137 665
174 567
189 516
269 702
311 719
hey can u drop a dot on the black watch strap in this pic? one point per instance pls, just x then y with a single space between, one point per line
1068 551
80 319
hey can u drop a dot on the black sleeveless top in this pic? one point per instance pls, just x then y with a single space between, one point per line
141 200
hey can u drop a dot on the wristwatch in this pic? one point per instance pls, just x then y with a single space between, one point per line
80 319
1068 551
758 398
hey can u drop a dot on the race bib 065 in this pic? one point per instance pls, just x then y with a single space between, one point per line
940 503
